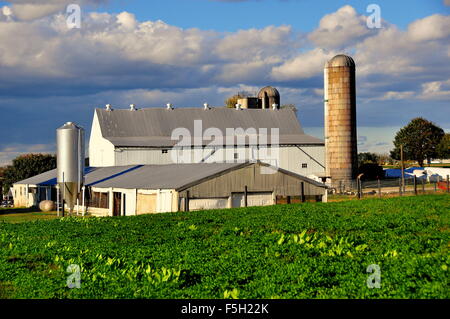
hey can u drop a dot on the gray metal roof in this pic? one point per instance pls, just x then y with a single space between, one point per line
169 176
44 178
92 175
153 127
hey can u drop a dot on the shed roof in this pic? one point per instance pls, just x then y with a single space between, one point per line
170 176
153 127
92 175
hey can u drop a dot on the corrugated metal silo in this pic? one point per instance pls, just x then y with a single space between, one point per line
70 162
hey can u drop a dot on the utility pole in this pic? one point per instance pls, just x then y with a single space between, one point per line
403 168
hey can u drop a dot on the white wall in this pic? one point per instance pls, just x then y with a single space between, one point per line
101 151
165 199
290 158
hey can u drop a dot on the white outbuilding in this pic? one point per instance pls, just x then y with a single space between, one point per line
147 189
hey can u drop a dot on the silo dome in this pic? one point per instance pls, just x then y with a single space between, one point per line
268 96
270 91
341 60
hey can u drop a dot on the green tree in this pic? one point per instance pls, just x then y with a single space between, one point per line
367 158
25 166
419 138
371 171
443 148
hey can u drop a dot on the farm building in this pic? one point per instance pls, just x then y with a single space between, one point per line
145 137
146 189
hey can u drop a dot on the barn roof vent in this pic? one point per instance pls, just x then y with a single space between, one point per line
169 106
108 107
132 107
206 106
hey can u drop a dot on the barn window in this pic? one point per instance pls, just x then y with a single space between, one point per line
164 151
98 200
236 155
304 165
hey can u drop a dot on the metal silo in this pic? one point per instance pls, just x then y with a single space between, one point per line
70 162
340 120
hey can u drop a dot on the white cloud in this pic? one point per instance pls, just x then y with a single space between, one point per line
11 151
435 90
305 65
256 44
394 95
434 27
341 29
35 9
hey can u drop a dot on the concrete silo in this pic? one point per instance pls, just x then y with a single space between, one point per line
268 96
340 120
70 162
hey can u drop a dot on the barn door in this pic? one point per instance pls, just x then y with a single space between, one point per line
117 205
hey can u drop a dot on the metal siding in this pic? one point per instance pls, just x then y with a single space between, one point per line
292 159
208 203
253 199
250 176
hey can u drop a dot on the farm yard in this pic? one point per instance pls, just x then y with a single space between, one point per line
310 250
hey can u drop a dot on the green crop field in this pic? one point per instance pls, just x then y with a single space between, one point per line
312 250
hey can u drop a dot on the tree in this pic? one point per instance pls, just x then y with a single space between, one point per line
371 171
25 166
232 101
385 159
290 106
443 148
419 138
368 165
2 173
368 158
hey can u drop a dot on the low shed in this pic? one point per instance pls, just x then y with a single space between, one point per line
147 189
185 187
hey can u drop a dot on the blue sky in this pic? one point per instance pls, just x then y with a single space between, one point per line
188 52
302 15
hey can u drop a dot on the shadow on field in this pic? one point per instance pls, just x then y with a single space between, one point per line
23 210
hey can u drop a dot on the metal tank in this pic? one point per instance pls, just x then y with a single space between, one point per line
70 162
340 120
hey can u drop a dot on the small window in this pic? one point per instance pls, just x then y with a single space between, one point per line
304 165
164 151
236 155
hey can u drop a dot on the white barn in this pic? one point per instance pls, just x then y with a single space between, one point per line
144 137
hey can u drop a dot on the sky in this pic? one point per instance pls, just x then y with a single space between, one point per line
188 52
